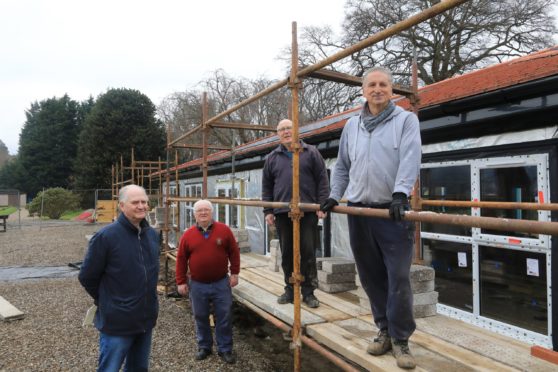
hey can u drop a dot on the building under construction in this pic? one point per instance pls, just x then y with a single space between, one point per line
483 206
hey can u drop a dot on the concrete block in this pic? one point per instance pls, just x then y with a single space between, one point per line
422 311
420 273
326 277
274 243
241 235
357 280
428 298
273 266
339 266
320 260
336 287
422 287
244 247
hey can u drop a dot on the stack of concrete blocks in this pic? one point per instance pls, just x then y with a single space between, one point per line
275 255
424 296
362 297
336 275
422 285
242 239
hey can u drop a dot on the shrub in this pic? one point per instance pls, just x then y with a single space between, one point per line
55 202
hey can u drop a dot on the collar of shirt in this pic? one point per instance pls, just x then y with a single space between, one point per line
207 230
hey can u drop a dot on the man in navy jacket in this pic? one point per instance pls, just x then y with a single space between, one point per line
120 272
277 185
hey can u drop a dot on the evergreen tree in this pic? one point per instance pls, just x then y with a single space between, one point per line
4 153
120 120
48 143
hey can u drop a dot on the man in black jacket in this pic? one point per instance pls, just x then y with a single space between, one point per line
120 273
277 184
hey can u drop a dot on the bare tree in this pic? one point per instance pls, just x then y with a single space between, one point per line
468 37
182 111
476 34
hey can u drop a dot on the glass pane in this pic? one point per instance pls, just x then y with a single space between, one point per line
446 183
233 209
513 287
454 275
517 184
198 191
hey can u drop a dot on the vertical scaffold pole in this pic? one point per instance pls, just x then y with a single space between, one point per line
205 135
296 278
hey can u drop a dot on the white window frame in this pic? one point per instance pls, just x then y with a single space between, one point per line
539 245
227 186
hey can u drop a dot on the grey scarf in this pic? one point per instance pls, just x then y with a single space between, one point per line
371 121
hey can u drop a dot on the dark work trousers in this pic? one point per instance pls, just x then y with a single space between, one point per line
383 251
308 245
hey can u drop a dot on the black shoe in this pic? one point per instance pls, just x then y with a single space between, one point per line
285 298
202 354
311 301
227 357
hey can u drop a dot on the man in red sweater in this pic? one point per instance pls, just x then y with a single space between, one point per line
206 250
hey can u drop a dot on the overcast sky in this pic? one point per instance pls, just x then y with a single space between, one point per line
52 47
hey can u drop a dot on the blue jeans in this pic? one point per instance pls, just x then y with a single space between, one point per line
114 349
201 296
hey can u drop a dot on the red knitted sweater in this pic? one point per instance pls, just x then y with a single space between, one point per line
207 258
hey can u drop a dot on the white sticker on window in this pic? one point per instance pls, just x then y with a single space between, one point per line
462 259
532 267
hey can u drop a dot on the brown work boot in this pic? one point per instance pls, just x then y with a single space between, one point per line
381 344
402 354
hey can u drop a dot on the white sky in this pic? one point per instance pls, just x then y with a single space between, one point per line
82 48
52 47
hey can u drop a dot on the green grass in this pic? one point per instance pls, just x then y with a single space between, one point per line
7 210
70 215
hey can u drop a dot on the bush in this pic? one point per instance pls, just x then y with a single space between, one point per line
55 202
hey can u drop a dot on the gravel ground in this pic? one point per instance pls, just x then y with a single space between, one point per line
50 336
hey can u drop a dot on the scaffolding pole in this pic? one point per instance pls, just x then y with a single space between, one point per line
493 223
295 212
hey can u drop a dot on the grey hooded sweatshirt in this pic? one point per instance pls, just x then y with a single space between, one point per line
371 167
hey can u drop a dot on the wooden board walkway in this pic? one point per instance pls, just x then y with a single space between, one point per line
439 343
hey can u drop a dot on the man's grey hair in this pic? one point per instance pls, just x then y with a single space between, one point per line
203 201
123 194
383 70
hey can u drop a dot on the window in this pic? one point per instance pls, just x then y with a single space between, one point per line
446 183
195 191
453 264
228 213
513 287
497 279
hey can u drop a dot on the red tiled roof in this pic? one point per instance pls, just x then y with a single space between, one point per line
516 71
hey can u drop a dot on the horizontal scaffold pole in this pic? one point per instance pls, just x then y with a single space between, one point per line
493 205
426 14
493 223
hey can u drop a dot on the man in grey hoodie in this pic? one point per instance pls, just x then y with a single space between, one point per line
377 166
